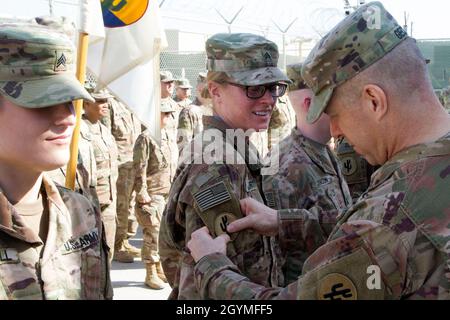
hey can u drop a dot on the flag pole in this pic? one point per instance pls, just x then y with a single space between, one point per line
83 43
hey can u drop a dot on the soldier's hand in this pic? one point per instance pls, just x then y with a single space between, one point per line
201 243
259 217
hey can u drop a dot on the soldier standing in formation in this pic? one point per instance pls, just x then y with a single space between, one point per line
309 173
105 153
51 238
155 169
190 121
393 243
125 127
243 83
182 93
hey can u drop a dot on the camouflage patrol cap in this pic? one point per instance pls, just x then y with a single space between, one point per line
166 106
183 83
97 94
293 72
166 76
36 66
246 58
357 42
201 77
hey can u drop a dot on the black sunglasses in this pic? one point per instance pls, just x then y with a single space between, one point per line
256 92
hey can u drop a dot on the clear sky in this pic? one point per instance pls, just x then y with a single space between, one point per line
429 18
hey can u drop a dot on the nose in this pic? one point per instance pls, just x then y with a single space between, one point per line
335 130
268 99
64 114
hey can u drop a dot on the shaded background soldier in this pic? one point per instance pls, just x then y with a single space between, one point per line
51 238
125 127
105 153
282 121
155 169
393 243
243 83
309 173
183 92
190 121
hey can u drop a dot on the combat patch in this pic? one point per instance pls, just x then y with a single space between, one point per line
336 286
221 223
84 241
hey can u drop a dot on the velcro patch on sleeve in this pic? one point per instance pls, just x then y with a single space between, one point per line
212 196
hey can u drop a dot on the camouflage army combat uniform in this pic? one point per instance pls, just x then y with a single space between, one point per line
206 191
356 169
185 213
105 153
73 262
397 232
183 84
155 169
190 123
309 175
125 127
65 256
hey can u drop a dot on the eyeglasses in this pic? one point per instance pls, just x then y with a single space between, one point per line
256 92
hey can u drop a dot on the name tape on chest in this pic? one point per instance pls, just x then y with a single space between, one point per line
82 242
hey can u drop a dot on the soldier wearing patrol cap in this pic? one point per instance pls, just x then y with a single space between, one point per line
51 238
190 121
243 83
372 80
309 173
106 156
155 168
183 92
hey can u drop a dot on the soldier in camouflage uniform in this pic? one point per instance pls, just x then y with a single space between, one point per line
86 174
190 119
155 169
51 238
394 242
356 169
182 93
105 153
309 173
167 87
125 127
243 82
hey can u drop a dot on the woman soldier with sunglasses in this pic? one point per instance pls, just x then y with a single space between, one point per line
222 166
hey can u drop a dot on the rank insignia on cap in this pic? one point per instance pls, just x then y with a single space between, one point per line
268 59
212 196
221 222
336 286
60 64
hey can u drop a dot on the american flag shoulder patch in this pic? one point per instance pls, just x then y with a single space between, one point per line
212 196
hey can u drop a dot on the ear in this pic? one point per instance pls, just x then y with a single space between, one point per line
214 90
374 99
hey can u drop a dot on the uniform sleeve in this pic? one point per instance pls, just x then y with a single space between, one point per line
140 161
367 261
305 230
185 129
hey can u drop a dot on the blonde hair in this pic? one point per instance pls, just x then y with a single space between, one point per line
216 76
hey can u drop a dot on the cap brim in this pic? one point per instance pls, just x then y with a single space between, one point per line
168 80
319 104
45 91
259 76
185 87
